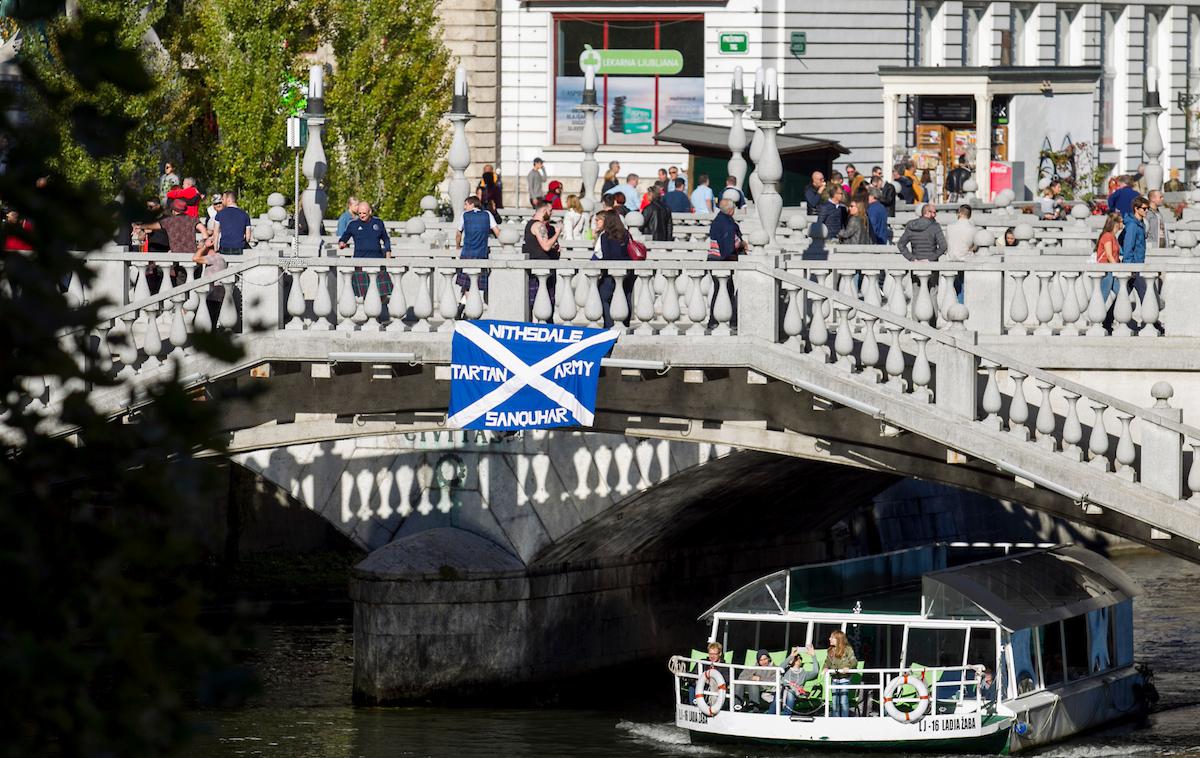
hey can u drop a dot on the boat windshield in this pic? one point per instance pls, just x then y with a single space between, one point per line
765 595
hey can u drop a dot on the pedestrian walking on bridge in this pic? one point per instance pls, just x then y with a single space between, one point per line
370 241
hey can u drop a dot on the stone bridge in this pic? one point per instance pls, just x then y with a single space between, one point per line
859 358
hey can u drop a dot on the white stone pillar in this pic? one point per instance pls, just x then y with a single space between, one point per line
983 146
891 105
459 156
315 165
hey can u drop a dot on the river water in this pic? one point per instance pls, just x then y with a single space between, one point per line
304 708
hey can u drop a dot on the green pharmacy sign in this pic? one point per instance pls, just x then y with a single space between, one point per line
632 62
734 43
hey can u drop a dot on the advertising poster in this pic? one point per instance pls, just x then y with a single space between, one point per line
630 110
680 99
1002 177
568 93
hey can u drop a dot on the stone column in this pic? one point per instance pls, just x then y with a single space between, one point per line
314 200
891 106
459 156
983 146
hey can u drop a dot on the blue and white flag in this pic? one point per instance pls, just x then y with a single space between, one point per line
509 375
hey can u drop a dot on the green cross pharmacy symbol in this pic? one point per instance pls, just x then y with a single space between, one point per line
589 58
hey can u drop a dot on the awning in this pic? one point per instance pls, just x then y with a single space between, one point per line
1028 589
695 134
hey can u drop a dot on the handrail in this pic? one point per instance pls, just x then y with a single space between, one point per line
960 342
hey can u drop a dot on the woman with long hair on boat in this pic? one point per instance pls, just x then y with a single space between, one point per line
795 675
839 662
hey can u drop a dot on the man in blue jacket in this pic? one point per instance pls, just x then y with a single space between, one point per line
1121 200
877 216
725 243
1133 244
370 241
832 213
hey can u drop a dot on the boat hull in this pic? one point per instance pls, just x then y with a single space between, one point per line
949 733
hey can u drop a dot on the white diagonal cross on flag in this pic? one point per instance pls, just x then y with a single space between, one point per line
523 375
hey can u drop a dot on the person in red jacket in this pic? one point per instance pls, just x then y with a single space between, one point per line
188 194
14 225
554 196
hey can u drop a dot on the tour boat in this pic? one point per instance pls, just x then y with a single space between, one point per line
1054 624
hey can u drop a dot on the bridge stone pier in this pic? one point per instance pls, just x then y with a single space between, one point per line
859 366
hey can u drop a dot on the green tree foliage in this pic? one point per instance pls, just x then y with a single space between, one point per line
156 116
102 649
245 51
386 100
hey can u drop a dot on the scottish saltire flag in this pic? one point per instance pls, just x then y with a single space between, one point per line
509 375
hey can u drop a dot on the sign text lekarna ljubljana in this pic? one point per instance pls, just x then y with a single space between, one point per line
509 375
632 62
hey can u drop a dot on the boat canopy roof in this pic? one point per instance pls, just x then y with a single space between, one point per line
886 583
1028 589
1017 590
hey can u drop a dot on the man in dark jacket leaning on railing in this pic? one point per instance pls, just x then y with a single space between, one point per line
923 239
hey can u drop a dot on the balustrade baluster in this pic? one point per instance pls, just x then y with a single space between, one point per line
1097 308
1056 292
227 317
1083 291
128 349
992 401
1070 305
295 301
1098 440
869 353
1193 478
179 334
723 308
870 288
818 331
670 302
829 279
1018 308
897 304
1123 309
1149 306
921 373
474 306
1072 429
372 308
894 365
203 320
1126 454
423 307
75 294
793 317
347 305
103 360
141 289
397 305
593 309
448 300
644 301
1044 423
1045 306
1018 408
697 304
922 302
843 341
619 308
542 307
946 295
566 302
323 302
580 288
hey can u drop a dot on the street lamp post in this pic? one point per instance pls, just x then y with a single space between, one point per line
1152 143
459 156
756 143
769 166
590 139
737 130
315 165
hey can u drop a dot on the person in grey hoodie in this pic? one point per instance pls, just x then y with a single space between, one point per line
923 239
795 675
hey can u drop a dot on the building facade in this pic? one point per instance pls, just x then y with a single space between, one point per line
523 64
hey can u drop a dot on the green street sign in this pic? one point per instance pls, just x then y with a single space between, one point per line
648 62
799 43
734 43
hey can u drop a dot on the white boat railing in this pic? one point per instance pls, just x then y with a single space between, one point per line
962 693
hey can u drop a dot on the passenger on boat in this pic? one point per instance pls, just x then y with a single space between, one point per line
839 662
712 662
759 698
795 676
987 686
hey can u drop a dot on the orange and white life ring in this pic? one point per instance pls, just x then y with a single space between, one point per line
889 698
710 692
